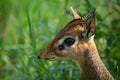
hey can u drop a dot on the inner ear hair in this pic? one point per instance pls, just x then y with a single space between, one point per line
90 24
89 27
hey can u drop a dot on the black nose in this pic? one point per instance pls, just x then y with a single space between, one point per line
38 57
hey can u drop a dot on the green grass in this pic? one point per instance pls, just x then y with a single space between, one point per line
27 26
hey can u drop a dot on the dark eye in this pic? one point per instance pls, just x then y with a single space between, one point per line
61 47
69 41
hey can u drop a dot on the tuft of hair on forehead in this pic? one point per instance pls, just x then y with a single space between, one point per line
71 26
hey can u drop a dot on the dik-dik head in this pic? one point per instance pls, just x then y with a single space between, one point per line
72 40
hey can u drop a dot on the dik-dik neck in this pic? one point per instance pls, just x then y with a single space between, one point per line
92 66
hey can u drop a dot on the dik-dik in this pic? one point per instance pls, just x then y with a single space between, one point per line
76 41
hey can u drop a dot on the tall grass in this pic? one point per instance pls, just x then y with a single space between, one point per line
27 26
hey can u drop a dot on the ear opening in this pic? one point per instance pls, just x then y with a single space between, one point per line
89 27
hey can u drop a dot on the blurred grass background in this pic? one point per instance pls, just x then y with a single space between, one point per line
27 26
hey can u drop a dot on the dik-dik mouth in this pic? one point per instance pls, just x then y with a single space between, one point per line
50 59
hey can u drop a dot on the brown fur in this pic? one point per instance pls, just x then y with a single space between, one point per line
85 52
91 64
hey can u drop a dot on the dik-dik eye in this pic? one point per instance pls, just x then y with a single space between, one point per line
69 41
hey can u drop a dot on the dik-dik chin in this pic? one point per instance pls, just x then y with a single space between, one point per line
76 41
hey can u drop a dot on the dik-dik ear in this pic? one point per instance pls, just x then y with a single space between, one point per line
74 14
89 27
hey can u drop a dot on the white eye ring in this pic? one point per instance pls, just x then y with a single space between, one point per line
61 41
